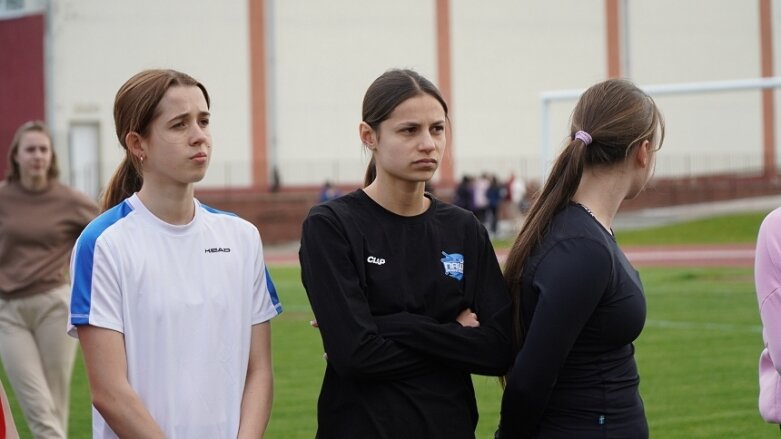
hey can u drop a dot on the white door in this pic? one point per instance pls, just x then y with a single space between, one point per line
84 158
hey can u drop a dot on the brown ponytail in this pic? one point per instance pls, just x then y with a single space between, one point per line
558 190
126 181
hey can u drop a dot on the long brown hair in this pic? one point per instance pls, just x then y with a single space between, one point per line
135 107
13 172
618 116
386 93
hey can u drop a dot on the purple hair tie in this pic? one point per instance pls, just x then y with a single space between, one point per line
583 137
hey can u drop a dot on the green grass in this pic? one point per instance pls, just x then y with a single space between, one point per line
698 354
739 228
697 358
729 229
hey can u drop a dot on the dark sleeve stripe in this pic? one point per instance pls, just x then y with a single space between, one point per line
81 281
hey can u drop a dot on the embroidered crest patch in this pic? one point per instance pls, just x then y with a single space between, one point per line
454 265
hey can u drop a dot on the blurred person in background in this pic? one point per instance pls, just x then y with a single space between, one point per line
578 303
40 219
463 197
494 194
480 187
406 289
328 192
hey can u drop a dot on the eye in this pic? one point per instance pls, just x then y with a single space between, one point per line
180 124
204 122
409 130
438 129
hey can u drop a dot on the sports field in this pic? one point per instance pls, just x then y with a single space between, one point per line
697 355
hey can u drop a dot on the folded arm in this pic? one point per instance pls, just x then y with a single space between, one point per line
350 335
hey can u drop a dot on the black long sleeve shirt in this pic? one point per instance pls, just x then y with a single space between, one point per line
386 291
583 306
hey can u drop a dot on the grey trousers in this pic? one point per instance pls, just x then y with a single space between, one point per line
38 358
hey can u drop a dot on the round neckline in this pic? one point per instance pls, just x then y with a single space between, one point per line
173 229
414 218
594 218
49 186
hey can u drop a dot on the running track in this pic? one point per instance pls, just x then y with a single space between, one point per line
650 256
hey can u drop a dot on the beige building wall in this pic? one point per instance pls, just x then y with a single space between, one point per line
96 45
701 40
321 57
504 56
325 55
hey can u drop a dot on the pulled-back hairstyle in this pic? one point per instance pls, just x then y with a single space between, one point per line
386 93
618 116
12 173
135 107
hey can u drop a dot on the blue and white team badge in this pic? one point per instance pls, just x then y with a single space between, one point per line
454 265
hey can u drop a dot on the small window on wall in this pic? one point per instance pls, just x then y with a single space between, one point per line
11 5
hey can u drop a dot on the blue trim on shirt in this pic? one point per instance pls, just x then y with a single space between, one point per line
213 210
81 288
269 282
272 290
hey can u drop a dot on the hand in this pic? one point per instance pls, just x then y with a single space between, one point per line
468 319
313 323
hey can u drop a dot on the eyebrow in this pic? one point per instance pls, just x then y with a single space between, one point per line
184 115
417 124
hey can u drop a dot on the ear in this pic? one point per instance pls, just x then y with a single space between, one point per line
643 154
134 143
368 135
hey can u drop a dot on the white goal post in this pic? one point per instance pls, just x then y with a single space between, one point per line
547 97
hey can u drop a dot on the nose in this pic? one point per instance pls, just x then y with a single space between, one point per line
427 142
200 135
38 153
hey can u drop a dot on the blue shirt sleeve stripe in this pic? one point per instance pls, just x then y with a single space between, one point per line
269 283
81 278
273 292
213 210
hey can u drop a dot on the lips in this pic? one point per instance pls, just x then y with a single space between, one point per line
425 162
199 158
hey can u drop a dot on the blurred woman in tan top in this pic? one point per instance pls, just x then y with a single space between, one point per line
40 220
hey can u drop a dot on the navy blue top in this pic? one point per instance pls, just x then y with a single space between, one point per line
582 307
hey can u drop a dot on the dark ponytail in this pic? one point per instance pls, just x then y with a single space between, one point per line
371 173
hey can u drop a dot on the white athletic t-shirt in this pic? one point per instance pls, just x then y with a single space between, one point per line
185 298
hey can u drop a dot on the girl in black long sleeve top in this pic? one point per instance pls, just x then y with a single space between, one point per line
406 290
578 302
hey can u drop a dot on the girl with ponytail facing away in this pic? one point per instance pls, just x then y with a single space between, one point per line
578 304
